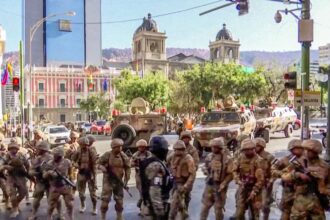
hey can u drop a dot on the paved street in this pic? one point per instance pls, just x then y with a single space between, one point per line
277 146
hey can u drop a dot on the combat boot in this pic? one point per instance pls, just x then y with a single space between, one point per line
103 215
82 207
120 216
94 212
14 213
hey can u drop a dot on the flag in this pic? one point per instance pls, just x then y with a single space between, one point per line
105 85
4 77
9 68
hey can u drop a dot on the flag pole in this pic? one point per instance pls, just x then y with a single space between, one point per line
21 90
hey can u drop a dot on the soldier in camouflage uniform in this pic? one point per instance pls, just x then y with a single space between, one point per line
31 145
115 166
183 169
140 155
282 166
218 168
17 167
3 185
185 136
307 204
155 177
268 187
69 149
248 175
42 185
58 187
84 159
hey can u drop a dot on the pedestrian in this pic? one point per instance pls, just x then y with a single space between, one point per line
267 190
141 154
57 172
116 170
84 159
156 181
249 176
218 169
183 169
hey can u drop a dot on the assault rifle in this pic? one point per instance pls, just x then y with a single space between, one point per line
112 175
313 185
59 175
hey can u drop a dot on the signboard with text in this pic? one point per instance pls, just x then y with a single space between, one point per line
311 98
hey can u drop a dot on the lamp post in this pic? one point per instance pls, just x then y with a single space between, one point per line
33 30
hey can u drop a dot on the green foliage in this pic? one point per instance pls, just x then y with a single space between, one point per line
153 87
94 102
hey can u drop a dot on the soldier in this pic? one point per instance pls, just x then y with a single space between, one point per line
183 169
185 136
310 180
3 152
268 187
115 166
17 166
84 159
140 155
156 181
57 170
42 185
248 175
281 166
218 168
69 149
31 145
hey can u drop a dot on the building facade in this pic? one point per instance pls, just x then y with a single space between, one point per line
57 92
77 37
324 55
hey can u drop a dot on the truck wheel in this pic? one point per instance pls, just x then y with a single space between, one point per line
124 132
288 130
198 146
265 134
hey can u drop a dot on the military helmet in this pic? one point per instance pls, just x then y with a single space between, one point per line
179 145
74 134
83 141
260 141
43 145
294 143
91 139
313 145
13 145
58 151
185 134
217 142
159 147
247 144
38 132
2 137
16 140
116 142
141 143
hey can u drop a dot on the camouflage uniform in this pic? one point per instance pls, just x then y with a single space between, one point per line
3 185
218 168
17 166
135 160
189 148
30 146
268 187
41 185
183 169
57 186
69 149
280 167
84 159
248 174
306 204
117 162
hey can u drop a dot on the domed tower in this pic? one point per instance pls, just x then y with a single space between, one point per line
224 49
149 51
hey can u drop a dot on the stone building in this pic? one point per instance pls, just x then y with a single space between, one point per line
224 49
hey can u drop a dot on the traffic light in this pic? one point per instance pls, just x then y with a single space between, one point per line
16 84
242 7
290 80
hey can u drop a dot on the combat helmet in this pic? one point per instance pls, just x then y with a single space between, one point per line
247 144
185 134
58 151
260 141
83 141
179 145
43 145
313 145
13 145
217 142
159 147
294 143
91 139
116 142
141 143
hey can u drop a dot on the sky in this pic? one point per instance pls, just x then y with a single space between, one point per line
256 31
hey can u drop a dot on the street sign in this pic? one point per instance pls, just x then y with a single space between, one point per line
311 98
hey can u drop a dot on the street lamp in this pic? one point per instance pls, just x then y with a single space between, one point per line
33 30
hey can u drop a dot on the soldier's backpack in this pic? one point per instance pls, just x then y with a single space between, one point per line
167 180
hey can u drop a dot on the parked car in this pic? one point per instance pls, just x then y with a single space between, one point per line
56 135
78 124
98 127
107 129
86 128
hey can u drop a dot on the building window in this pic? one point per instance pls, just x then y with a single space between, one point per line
62 102
62 87
62 117
41 102
78 102
41 87
42 117
78 117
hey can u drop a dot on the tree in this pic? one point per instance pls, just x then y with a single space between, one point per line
96 102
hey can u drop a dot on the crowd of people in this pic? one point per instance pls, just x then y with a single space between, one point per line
165 179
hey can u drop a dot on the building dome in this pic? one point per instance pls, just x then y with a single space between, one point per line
148 24
224 34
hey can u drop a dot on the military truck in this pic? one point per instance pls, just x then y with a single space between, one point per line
138 123
229 123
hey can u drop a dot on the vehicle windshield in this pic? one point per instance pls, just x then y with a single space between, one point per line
87 124
221 116
100 123
58 130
